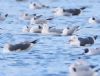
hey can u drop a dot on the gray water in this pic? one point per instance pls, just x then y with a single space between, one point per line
52 55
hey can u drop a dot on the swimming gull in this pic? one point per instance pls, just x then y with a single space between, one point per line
92 51
34 6
78 41
81 68
26 45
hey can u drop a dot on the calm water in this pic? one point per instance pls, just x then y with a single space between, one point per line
52 55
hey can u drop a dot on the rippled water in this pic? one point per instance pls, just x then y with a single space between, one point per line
52 55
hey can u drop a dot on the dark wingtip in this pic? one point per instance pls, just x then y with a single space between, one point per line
92 66
51 27
6 15
34 14
68 28
35 41
97 70
84 7
77 26
95 37
39 27
74 69
49 18
27 26
45 6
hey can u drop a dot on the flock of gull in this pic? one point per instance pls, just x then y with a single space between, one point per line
38 24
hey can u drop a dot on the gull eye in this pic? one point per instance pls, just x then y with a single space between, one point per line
86 50
93 18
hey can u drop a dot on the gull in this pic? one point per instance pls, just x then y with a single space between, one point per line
26 45
92 51
2 18
93 20
26 29
38 20
26 16
34 6
78 41
81 68
66 31
35 30
67 12
54 31
46 30
69 31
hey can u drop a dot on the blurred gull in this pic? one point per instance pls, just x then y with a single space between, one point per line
41 21
3 17
46 30
34 6
69 31
54 31
26 45
32 29
93 20
26 29
25 16
59 12
38 21
35 29
66 31
92 51
67 12
81 68
78 41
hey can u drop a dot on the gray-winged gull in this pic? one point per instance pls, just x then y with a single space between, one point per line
19 46
67 12
54 31
78 41
34 5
